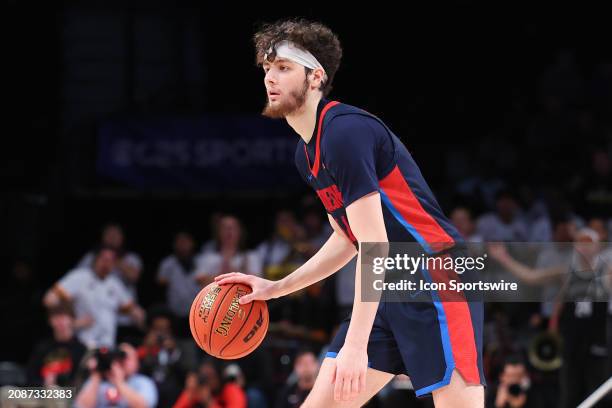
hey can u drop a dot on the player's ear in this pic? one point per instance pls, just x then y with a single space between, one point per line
316 77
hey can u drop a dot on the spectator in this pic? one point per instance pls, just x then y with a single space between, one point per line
128 267
229 255
303 314
581 312
226 394
164 358
278 254
255 398
305 368
98 297
542 229
119 387
310 313
504 224
558 252
176 273
598 225
462 219
197 393
316 231
514 387
54 361
211 244
534 204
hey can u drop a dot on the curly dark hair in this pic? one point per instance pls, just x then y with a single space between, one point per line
313 37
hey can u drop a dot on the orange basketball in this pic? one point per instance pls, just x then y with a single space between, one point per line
224 328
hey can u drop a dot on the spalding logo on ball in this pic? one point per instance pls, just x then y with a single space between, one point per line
223 327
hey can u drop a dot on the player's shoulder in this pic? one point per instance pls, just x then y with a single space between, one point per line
352 126
342 114
348 117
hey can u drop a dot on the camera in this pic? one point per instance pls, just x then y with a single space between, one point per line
515 389
105 358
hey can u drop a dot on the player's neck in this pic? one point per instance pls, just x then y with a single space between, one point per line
304 120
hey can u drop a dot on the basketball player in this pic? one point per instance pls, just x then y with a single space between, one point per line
372 191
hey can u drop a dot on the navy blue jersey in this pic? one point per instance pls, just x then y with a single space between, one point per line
353 153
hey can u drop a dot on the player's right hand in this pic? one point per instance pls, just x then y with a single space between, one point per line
263 289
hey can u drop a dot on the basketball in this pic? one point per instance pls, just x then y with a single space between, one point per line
224 328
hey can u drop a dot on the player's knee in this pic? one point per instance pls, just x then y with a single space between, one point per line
459 394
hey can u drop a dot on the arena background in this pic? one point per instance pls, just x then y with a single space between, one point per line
509 96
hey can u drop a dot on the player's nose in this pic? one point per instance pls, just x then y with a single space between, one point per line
270 78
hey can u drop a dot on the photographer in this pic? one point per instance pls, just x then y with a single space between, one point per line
514 389
165 358
197 393
114 382
206 388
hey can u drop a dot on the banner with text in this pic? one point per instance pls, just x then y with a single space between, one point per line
212 153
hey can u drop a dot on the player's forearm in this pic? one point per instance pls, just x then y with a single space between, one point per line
334 254
363 315
364 312
366 219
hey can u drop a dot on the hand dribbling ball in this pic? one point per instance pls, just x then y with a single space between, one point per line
223 327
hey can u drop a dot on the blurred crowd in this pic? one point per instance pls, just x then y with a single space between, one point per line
544 176
116 351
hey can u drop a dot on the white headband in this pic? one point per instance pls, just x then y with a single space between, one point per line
288 50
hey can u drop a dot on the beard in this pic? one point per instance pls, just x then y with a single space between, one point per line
294 101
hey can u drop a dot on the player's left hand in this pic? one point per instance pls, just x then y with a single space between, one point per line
349 378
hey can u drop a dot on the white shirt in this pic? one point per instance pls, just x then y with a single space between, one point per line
209 264
182 287
99 298
273 251
130 258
